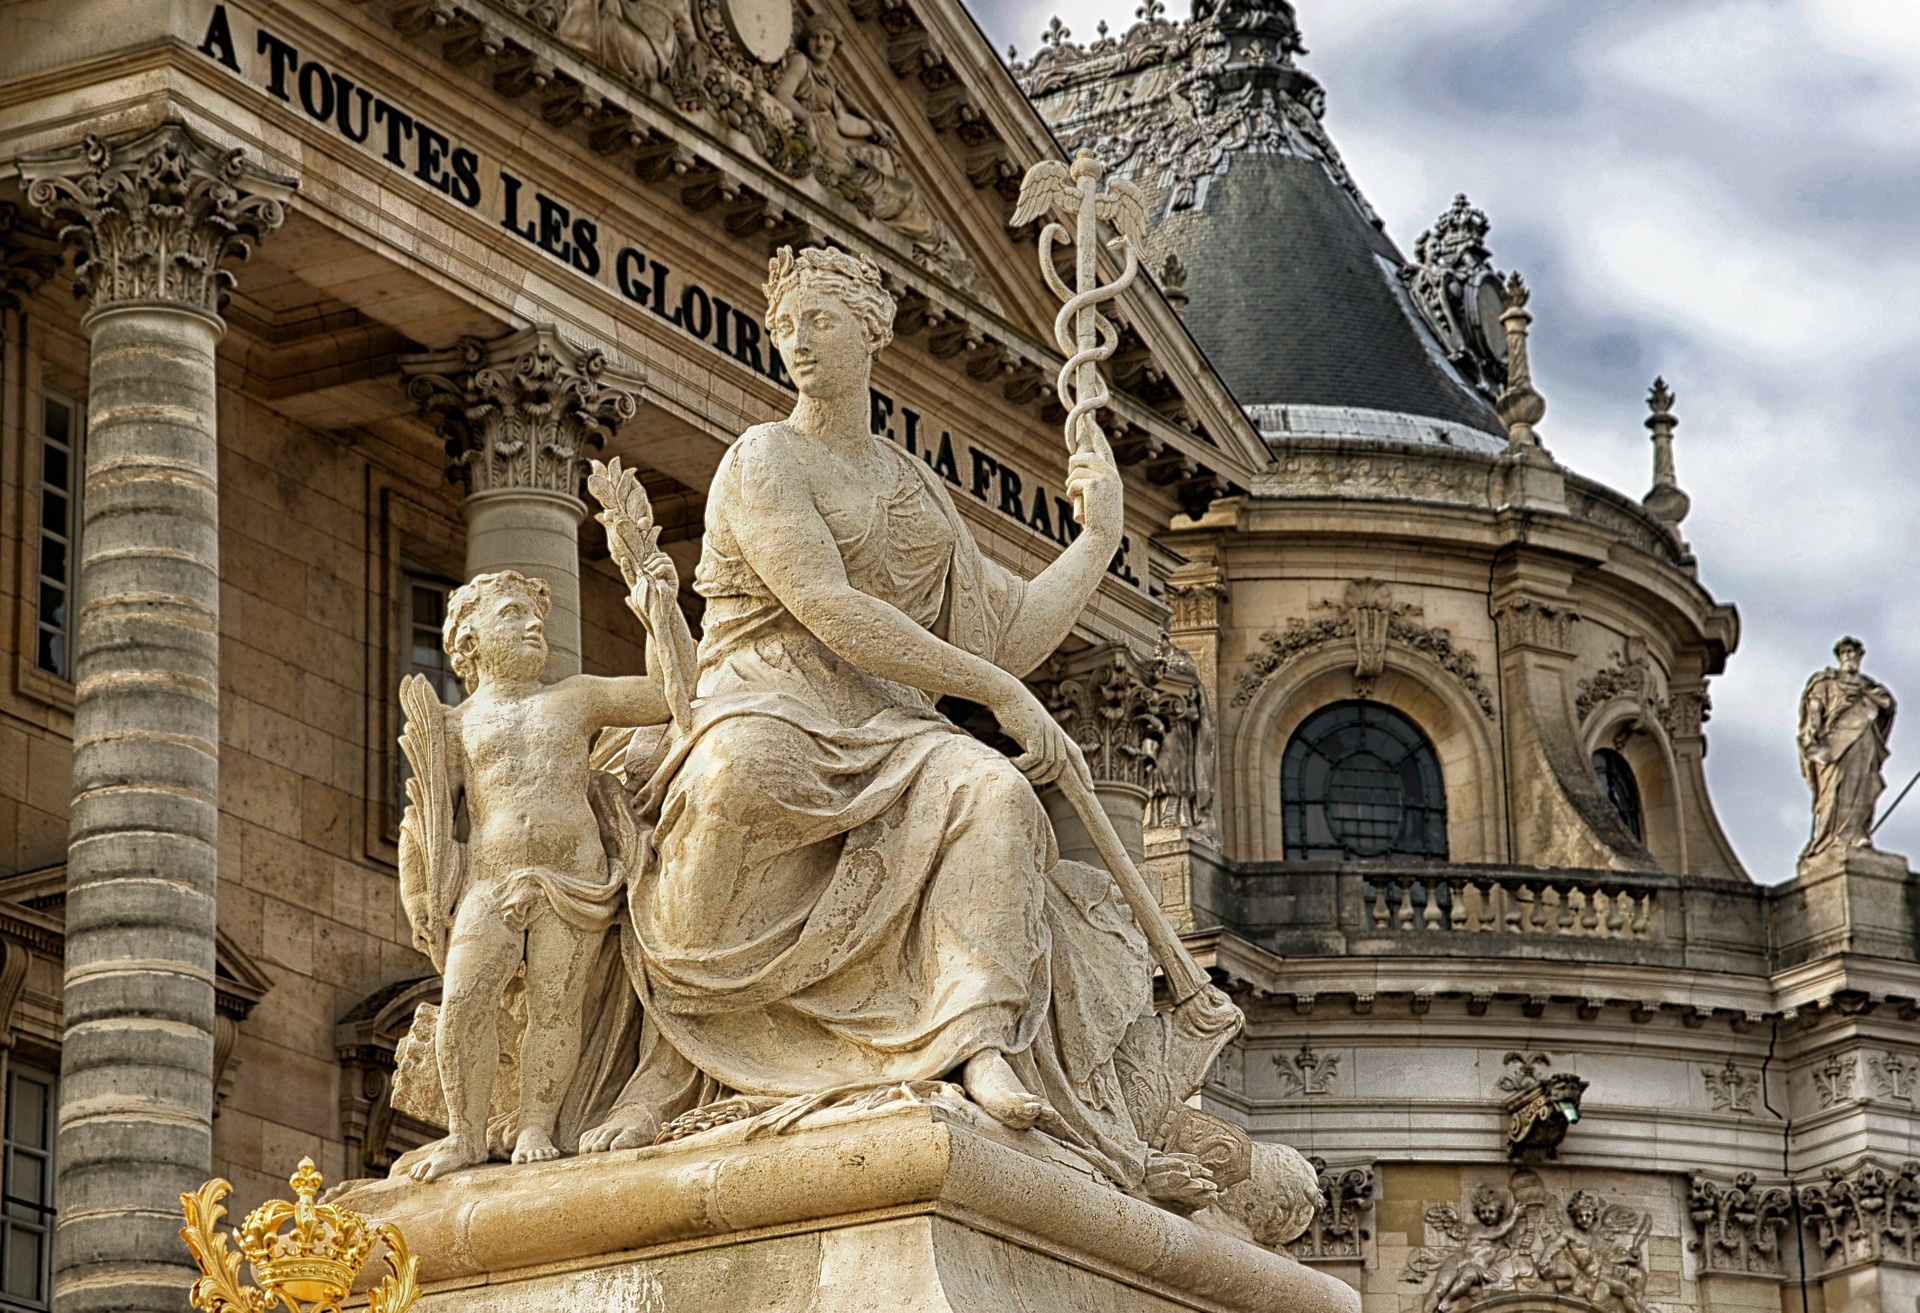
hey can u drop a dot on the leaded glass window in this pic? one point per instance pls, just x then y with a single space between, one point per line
1359 781
1616 779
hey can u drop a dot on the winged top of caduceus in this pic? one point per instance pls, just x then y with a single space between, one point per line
1070 194
1069 197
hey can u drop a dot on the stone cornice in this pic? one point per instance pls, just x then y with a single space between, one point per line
712 165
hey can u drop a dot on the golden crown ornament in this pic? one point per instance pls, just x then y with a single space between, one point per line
306 1269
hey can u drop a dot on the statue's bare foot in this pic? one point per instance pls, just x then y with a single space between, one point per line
624 1128
450 1155
534 1146
990 1082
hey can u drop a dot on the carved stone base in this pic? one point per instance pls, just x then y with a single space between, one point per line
903 1211
1847 900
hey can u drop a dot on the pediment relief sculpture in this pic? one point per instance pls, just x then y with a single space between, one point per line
768 72
1521 1238
604 990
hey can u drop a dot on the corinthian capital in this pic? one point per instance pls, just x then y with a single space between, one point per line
154 218
522 411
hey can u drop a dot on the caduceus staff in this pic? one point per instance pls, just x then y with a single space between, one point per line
1070 195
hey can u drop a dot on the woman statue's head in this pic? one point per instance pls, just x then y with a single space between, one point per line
829 316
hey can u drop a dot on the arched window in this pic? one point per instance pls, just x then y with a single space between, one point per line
1616 779
1359 780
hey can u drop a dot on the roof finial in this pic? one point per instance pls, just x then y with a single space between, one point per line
1520 406
1666 502
1149 11
1057 32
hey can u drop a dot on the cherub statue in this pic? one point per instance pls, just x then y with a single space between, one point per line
533 885
1601 1257
1475 1265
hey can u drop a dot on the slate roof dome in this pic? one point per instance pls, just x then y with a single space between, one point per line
1308 312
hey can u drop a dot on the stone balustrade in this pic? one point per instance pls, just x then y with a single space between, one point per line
1385 909
1583 904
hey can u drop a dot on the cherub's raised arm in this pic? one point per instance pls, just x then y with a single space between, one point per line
624 701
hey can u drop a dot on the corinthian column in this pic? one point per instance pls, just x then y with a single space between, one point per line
520 414
153 220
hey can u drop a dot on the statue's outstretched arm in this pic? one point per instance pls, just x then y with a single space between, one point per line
1059 594
788 544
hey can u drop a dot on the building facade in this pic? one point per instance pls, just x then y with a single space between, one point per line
311 310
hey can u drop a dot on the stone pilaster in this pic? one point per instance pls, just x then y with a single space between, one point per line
520 414
154 220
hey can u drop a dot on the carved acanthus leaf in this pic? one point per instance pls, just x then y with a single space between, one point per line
1739 1225
1339 1228
524 410
155 218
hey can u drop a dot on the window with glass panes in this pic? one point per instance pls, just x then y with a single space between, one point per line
426 610
60 429
1358 780
426 613
26 1213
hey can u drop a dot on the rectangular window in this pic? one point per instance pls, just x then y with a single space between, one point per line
26 1220
61 426
426 613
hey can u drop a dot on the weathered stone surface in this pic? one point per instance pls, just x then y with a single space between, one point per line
905 1209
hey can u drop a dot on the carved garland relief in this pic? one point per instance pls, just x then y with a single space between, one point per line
1368 617
1524 1238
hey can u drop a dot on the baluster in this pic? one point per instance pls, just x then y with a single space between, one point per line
1589 913
1616 912
1403 889
1563 922
1542 909
1490 917
1430 919
1642 915
1519 909
1376 899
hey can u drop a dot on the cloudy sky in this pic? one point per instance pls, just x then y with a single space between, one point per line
1725 192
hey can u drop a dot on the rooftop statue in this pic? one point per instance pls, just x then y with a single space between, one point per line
1845 719
821 893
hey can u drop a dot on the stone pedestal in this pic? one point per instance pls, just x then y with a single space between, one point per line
1846 900
903 1211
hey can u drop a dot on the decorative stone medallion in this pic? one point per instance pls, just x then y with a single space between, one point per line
763 28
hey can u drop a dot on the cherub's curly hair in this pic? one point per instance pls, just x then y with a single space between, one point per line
456 634
853 280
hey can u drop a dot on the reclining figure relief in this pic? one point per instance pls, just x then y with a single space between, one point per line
789 887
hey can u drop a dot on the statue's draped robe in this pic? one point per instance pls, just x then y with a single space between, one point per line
1843 745
848 890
